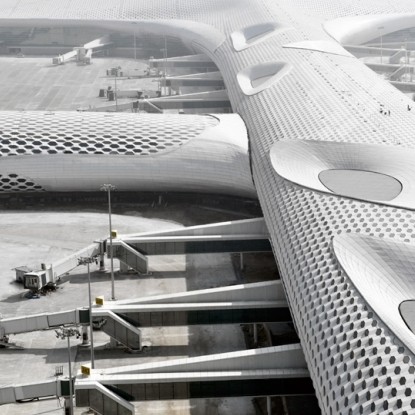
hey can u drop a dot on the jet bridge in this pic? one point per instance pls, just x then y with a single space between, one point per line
269 371
259 372
83 53
245 303
216 101
248 235
184 64
43 321
264 301
27 392
195 82
50 273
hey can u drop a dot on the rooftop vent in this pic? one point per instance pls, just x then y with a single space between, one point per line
256 78
250 35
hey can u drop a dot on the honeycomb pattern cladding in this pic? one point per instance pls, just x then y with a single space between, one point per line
357 364
15 183
70 133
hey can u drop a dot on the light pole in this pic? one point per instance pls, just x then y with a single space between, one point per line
107 188
114 72
86 261
407 69
62 333
381 43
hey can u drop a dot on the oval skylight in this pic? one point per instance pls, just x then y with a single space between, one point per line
407 310
361 184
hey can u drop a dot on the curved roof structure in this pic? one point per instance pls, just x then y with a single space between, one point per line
357 362
47 151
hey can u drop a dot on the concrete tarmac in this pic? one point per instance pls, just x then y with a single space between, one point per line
33 83
31 237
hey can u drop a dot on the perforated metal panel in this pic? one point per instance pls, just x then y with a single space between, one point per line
31 133
14 183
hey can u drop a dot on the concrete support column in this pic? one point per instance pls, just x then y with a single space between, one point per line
284 405
124 267
113 343
241 260
255 334
269 408
67 406
85 336
101 262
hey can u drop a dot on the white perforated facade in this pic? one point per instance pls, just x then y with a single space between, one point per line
357 362
142 152
30 133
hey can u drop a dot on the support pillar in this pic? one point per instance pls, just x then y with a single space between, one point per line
85 336
269 406
101 262
255 335
241 260
113 343
284 405
67 406
124 267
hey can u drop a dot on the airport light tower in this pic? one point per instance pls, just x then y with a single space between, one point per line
108 188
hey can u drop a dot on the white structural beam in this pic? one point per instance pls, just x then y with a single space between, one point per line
278 358
199 59
260 291
253 226
205 76
197 376
147 308
217 96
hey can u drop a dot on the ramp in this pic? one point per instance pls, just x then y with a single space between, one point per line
121 330
102 400
131 257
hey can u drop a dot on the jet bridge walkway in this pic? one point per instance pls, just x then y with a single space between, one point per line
259 372
249 235
245 303
264 301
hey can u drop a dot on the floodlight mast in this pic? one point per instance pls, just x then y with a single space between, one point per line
66 333
87 261
108 188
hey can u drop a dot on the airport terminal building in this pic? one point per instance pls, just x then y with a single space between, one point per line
306 106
